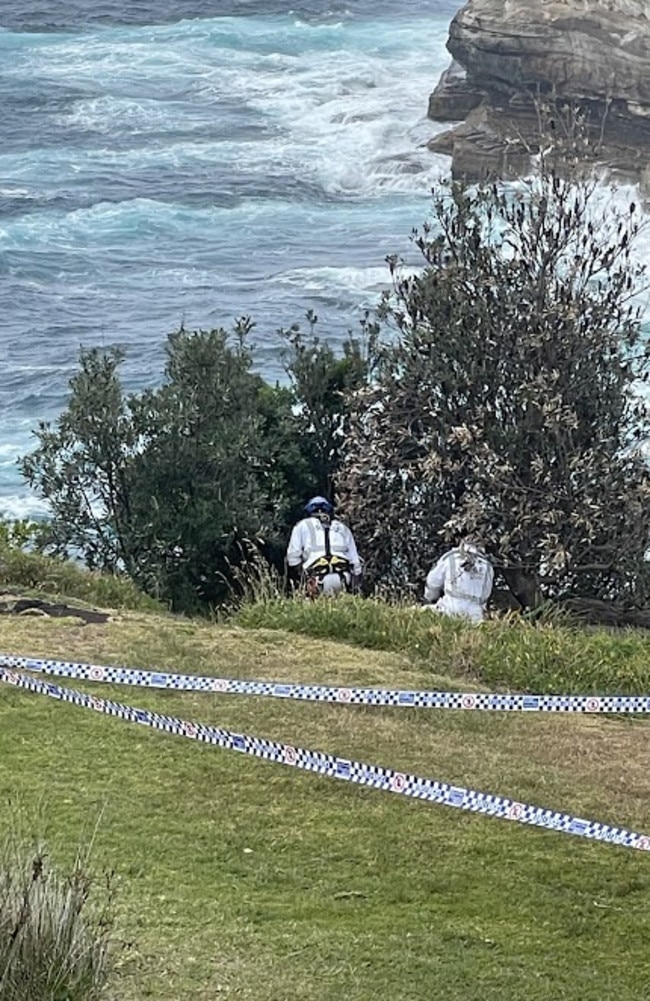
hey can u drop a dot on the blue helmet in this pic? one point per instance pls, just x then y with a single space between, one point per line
318 504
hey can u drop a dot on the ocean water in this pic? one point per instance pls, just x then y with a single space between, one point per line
191 162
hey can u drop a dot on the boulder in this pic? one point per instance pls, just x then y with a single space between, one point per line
509 54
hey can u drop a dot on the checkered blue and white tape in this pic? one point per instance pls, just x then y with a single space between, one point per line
638 704
373 776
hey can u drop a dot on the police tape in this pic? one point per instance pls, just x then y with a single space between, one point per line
356 772
490 701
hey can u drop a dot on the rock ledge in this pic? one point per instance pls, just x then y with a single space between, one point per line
508 55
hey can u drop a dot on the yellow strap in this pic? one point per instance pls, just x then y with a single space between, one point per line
322 566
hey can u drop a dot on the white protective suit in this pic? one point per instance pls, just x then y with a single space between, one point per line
464 578
307 544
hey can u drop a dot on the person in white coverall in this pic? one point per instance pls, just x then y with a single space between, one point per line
322 552
460 583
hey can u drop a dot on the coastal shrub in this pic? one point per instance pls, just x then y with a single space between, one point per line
20 533
165 485
509 399
322 382
55 927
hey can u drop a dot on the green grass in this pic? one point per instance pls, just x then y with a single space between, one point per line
504 653
240 878
44 576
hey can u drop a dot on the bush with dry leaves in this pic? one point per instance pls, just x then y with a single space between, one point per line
509 399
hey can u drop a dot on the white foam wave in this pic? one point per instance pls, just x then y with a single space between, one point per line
18 506
349 116
345 106
66 165
14 192
355 280
111 115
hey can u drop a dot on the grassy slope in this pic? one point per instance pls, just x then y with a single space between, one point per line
244 879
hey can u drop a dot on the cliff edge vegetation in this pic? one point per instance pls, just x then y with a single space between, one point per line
238 877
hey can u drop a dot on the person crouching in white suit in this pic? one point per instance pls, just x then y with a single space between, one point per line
460 583
322 552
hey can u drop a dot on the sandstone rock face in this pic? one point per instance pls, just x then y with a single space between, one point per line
592 52
454 97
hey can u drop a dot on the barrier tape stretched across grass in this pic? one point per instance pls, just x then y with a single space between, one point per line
638 704
373 776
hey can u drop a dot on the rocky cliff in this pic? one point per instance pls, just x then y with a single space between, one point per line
507 54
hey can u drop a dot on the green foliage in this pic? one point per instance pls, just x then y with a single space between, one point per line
80 465
54 940
24 567
209 472
20 534
323 385
168 484
253 579
506 401
507 653
57 577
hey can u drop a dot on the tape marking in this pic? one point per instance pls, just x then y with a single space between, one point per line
376 776
483 701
